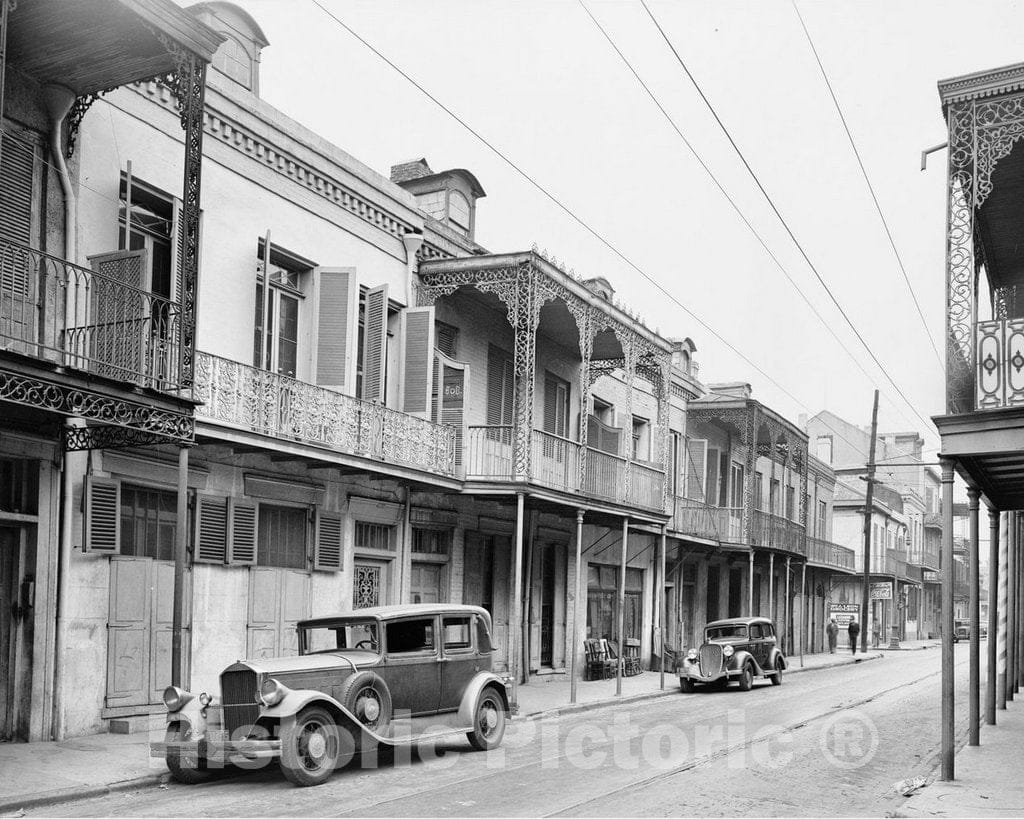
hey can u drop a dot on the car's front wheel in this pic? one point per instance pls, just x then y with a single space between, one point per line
184 770
746 678
367 697
310 747
686 685
777 676
488 721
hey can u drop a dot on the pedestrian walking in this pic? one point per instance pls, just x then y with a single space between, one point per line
832 630
876 633
854 631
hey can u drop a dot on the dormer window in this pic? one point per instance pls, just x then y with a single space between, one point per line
234 61
458 212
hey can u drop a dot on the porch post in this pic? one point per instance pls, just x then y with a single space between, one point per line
515 626
948 739
661 614
804 609
975 614
622 608
526 313
785 612
180 556
750 586
1020 614
771 585
580 603
1011 594
1001 630
993 614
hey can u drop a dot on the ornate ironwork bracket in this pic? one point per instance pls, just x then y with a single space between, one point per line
76 114
110 437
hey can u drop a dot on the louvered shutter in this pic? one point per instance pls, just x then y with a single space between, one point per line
711 484
211 530
453 390
102 516
696 468
17 174
499 387
375 340
327 549
178 243
120 316
551 396
337 320
417 367
242 529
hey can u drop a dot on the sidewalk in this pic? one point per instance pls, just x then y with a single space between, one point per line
41 773
985 783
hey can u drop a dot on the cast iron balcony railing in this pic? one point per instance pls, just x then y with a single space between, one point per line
237 395
826 553
999 380
555 463
100 321
720 523
776 532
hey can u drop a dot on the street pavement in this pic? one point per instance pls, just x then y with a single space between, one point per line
832 742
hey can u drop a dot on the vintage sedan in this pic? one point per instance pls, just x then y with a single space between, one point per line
375 677
740 648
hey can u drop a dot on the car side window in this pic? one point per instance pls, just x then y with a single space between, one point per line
755 632
769 631
458 634
410 636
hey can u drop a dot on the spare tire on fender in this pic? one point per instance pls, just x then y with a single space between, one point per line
366 696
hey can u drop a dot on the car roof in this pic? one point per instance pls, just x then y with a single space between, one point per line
738 621
392 612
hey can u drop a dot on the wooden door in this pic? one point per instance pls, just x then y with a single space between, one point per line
278 600
9 572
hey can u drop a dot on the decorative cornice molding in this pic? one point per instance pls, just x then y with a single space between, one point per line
982 84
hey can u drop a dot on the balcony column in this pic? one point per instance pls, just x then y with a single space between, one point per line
585 327
664 421
1001 607
785 612
629 352
621 619
975 614
515 626
771 585
660 613
1020 614
993 614
180 559
524 313
750 584
579 606
948 739
749 433
1011 595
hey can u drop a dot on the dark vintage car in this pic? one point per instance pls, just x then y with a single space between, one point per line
740 648
375 677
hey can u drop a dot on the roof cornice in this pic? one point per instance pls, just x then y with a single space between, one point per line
982 84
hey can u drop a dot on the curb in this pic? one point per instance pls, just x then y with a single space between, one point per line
75 793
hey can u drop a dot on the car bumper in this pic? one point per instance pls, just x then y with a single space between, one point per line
693 675
214 750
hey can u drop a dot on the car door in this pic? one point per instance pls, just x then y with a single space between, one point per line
460 659
412 664
756 644
767 644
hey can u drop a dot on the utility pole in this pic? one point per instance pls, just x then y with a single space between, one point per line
868 503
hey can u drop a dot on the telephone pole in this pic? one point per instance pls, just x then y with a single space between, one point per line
868 503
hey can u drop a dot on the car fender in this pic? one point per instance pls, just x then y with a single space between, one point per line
472 692
742 656
776 655
297 699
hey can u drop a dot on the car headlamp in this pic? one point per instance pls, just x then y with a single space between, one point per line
272 692
175 698
728 651
691 655
205 699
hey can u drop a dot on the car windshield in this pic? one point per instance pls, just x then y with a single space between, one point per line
348 636
730 632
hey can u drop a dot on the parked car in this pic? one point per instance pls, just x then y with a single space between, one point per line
962 630
740 649
388 675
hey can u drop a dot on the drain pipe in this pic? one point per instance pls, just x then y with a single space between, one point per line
58 100
413 242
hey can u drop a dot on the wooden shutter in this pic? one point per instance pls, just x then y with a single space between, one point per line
711 484
337 319
696 467
211 530
17 176
551 404
452 397
242 533
499 386
102 516
603 437
417 368
375 341
327 548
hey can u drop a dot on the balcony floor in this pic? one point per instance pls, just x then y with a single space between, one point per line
988 447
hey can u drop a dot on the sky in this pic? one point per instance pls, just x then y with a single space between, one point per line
542 84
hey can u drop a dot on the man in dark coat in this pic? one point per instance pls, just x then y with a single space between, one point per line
832 630
854 631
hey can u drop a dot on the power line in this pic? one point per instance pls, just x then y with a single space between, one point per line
782 219
871 189
554 200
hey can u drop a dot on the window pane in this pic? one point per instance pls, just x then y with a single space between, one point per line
374 536
282 537
148 522
410 636
457 632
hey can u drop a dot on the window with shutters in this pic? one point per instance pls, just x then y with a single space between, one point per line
641 443
556 405
500 393
279 294
429 541
711 482
736 484
148 522
773 497
446 339
372 340
375 537
758 491
282 537
459 212
232 60
696 468
146 221
18 184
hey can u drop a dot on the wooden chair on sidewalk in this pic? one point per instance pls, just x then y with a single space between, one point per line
599 665
631 657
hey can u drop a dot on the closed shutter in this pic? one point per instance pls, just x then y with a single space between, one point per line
211 529
120 317
499 387
551 405
242 534
603 437
375 340
417 360
711 484
17 174
696 468
178 259
337 321
327 550
452 383
102 515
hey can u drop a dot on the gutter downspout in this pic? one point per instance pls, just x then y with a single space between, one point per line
58 101
413 242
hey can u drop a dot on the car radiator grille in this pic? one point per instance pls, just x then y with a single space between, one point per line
238 695
710 660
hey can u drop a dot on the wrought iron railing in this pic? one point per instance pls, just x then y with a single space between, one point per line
777 532
84 319
826 553
247 397
692 517
646 485
999 380
488 453
555 461
606 476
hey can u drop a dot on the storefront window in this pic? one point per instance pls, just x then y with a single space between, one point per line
602 602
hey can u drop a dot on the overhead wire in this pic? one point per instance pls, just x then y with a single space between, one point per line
871 188
557 202
785 224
